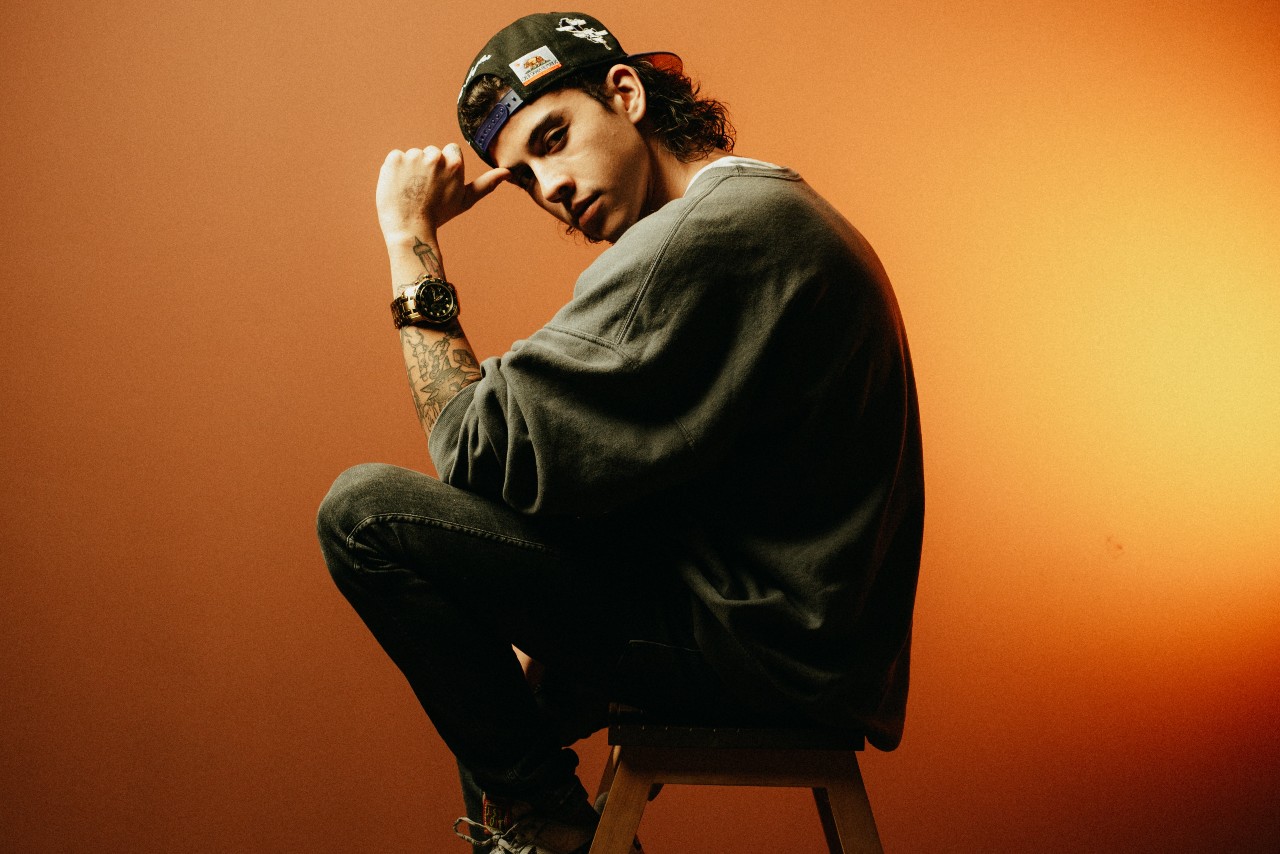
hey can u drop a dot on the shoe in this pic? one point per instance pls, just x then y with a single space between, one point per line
514 827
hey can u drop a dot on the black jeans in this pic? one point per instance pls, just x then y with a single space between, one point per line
447 582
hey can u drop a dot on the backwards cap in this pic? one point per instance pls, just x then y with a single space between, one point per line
531 54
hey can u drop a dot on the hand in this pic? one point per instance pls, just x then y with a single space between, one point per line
420 190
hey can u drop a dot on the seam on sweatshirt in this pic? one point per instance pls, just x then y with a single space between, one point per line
594 339
711 182
618 349
661 253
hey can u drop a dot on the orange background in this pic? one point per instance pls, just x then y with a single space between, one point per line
1078 202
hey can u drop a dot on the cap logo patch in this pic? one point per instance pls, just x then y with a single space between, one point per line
578 27
535 64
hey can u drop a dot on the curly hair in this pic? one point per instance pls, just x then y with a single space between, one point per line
687 125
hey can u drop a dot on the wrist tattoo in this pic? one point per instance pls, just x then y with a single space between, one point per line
424 252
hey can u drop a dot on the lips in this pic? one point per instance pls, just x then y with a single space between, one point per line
585 211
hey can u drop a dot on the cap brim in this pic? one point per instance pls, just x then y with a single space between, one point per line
665 60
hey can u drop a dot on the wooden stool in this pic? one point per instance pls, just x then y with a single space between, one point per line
646 755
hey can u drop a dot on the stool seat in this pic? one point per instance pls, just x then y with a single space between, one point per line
649 753
633 726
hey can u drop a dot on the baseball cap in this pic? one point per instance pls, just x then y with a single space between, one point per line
531 54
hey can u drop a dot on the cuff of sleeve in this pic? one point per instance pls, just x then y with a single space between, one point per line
443 442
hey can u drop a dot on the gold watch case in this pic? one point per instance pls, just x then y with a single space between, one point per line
429 301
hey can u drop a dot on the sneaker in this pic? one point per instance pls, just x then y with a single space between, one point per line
514 827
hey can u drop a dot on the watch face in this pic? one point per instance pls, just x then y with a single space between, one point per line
436 302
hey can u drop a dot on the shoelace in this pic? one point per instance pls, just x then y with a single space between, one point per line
531 826
498 838
472 826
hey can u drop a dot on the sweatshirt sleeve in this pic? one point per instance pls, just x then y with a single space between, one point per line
561 424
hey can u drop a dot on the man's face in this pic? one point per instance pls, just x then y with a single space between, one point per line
585 163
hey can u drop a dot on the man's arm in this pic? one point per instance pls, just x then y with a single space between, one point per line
420 190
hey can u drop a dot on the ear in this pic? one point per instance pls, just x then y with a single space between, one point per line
626 92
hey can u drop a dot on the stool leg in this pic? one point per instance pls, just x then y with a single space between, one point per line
610 769
622 812
851 810
829 831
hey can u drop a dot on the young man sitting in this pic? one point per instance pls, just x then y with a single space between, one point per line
697 490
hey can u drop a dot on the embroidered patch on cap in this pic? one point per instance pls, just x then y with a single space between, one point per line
534 64
578 27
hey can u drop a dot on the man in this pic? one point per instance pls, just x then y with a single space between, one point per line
697 490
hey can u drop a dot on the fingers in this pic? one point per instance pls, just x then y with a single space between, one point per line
451 155
429 185
488 182
447 159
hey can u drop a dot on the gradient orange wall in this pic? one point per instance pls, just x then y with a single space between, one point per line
1079 205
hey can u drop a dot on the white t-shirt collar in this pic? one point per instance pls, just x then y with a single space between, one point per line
730 160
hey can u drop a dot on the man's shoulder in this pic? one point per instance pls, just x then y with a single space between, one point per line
733 178
744 205
732 213
726 203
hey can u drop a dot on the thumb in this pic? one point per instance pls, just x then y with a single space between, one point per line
485 184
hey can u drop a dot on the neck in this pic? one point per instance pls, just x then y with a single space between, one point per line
671 176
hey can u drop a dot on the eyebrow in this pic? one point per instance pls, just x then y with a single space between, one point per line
541 128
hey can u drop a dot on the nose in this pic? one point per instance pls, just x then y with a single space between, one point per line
554 185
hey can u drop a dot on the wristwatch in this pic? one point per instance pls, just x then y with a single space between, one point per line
429 301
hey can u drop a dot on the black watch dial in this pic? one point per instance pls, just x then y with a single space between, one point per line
436 302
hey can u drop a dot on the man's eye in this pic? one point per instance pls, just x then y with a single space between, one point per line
555 138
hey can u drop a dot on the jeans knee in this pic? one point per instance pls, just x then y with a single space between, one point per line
351 499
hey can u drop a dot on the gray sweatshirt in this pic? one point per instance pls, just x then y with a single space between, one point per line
733 371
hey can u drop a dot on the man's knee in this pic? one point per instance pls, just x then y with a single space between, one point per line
370 490
358 493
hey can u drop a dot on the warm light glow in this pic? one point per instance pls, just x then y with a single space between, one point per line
1078 204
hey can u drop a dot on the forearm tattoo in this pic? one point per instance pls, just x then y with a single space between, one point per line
438 369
